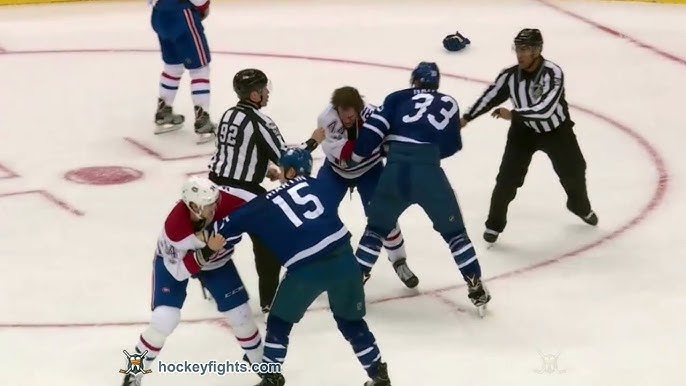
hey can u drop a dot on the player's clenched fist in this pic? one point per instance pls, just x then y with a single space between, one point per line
216 242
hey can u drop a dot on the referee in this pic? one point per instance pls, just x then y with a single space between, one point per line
540 120
248 141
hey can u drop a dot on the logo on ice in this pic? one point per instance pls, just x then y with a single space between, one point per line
134 364
549 364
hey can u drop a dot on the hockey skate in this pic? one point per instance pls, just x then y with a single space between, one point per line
131 380
247 360
204 127
478 294
165 119
491 236
381 379
590 219
272 380
405 274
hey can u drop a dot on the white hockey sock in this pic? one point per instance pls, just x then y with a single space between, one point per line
200 87
395 245
169 82
244 328
162 323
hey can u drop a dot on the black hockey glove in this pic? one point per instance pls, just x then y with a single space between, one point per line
455 42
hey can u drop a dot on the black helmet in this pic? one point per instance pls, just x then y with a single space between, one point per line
529 37
247 81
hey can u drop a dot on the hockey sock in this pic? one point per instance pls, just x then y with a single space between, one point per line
369 249
276 341
395 245
464 254
169 82
245 330
363 343
200 87
162 323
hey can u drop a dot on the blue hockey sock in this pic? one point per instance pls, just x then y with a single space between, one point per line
363 343
464 254
276 341
369 249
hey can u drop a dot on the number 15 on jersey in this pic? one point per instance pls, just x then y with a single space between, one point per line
301 202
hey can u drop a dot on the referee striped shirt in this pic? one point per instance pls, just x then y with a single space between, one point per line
246 141
538 97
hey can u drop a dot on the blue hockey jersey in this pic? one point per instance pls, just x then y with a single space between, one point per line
417 116
297 221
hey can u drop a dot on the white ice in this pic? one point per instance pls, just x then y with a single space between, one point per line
613 312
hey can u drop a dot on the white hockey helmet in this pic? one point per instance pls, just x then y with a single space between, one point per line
200 191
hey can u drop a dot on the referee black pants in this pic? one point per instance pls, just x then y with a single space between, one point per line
561 147
267 265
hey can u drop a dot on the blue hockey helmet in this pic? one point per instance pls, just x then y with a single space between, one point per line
298 159
426 75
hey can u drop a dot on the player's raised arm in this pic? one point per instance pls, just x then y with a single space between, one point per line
230 227
373 132
336 145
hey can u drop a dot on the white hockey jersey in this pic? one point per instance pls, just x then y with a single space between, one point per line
178 242
337 148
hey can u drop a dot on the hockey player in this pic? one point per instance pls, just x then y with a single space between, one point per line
421 126
178 25
312 243
342 119
185 250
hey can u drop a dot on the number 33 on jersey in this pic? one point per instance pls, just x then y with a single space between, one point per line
426 101
297 221
414 116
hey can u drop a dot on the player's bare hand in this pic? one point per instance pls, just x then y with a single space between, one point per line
216 242
273 173
503 113
319 134
463 122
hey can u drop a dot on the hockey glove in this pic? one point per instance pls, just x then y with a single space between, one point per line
455 42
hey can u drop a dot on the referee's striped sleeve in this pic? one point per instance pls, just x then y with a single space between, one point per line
497 93
274 143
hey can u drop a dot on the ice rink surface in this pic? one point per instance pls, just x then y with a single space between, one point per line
78 90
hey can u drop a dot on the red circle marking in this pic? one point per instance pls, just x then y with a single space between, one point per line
657 197
103 175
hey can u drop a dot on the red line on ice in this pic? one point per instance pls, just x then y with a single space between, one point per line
157 155
611 31
8 173
48 196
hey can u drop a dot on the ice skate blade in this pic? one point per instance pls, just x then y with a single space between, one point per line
412 283
204 138
481 310
161 129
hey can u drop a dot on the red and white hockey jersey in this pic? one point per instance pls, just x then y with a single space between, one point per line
178 242
338 148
